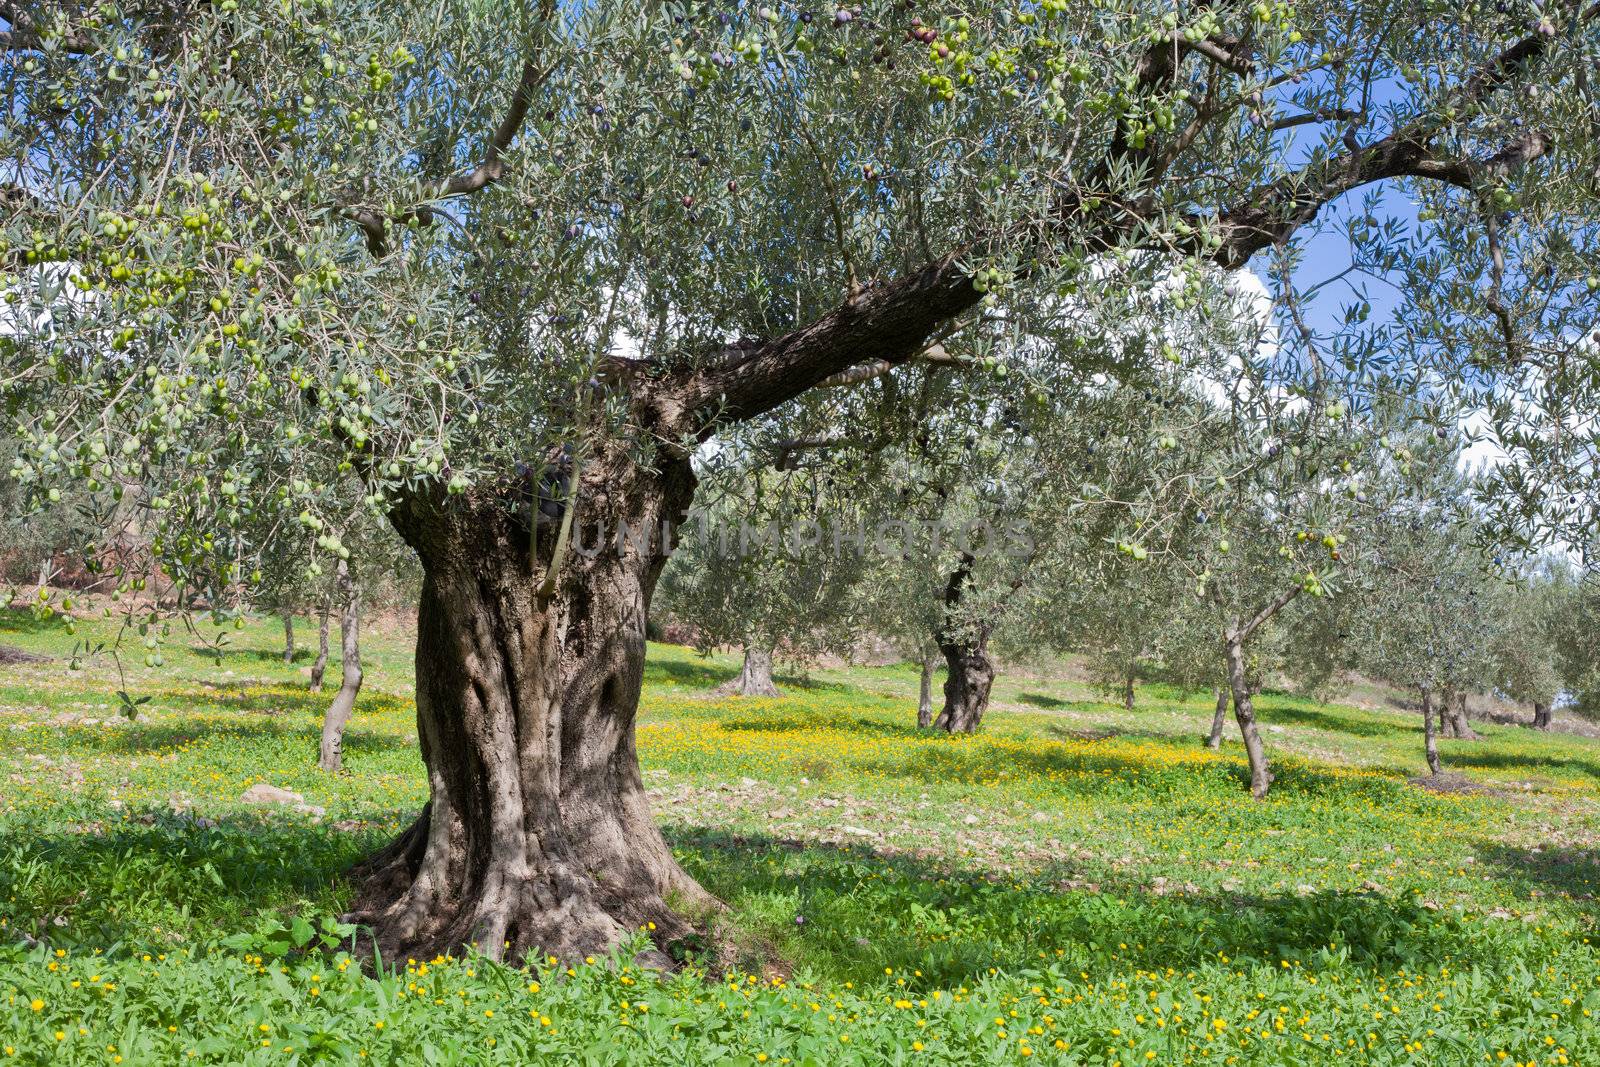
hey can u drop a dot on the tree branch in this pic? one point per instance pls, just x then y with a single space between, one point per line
26 34
1278 603
375 224
889 323
934 354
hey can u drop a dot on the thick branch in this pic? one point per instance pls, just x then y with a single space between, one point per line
933 354
888 323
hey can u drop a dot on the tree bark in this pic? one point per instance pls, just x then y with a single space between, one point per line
1218 719
925 691
1240 685
1454 710
967 685
1541 715
1447 703
1127 690
331 754
537 836
319 666
969 667
755 677
288 637
1245 714
1430 744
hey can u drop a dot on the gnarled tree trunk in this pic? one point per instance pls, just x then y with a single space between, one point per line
966 687
1453 712
288 637
1220 717
970 669
755 677
1541 715
925 691
537 835
1430 743
1127 689
331 754
319 666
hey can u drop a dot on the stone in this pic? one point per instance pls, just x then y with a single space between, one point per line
262 793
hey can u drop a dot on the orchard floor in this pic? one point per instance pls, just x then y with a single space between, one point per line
1079 884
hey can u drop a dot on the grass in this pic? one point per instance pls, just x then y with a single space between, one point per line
1078 884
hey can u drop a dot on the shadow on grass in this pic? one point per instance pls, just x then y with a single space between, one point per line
140 882
860 911
705 674
143 880
274 698
261 655
1464 755
143 739
1092 733
1040 700
24 621
709 675
1331 722
1569 872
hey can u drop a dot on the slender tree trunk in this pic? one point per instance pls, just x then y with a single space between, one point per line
969 667
1244 712
925 691
1244 690
288 637
537 836
319 666
1541 715
755 677
331 755
1127 690
1218 719
1430 744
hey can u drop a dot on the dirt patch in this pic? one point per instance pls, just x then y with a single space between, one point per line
10 655
1445 782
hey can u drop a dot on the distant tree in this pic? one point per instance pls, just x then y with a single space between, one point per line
758 567
1523 655
1271 499
1432 614
1575 630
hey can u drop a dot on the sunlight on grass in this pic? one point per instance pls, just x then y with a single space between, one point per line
1076 884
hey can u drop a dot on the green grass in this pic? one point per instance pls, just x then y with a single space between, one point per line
1080 882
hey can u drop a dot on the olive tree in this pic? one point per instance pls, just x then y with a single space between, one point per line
757 566
1427 614
507 266
1525 659
1270 498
